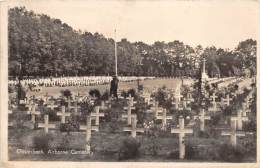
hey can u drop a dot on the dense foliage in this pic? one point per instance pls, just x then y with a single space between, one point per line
44 46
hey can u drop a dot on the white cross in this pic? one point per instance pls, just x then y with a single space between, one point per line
177 96
129 109
185 104
103 106
214 107
156 109
245 109
189 97
75 107
46 124
97 114
63 114
233 133
52 105
131 100
181 131
226 101
133 129
247 101
176 103
29 106
147 98
45 98
69 103
88 128
33 113
214 97
202 119
239 120
164 118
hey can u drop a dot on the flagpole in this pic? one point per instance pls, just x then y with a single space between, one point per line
115 54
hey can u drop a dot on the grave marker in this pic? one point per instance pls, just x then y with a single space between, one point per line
181 131
233 133
133 129
202 117
63 114
97 115
46 124
156 109
164 118
52 105
226 101
239 120
88 128
33 113
129 109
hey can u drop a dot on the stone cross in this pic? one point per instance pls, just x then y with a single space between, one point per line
46 97
131 100
88 128
96 115
177 95
176 104
164 118
156 109
46 124
52 105
75 107
103 106
233 133
69 103
189 97
214 107
33 113
181 131
63 114
247 101
239 120
226 101
213 97
133 129
202 119
245 109
147 98
29 106
129 109
185 104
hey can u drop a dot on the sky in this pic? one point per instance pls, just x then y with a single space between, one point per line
206 22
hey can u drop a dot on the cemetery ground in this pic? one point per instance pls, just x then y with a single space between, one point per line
112 143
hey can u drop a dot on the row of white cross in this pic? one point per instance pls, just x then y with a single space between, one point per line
75 81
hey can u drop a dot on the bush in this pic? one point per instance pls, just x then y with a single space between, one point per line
105 96
69 126
66 93
132 92
43 142
95 93
129 149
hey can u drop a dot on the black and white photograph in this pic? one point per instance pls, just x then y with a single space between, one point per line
132 81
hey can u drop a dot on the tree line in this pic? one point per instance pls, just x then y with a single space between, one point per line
41 46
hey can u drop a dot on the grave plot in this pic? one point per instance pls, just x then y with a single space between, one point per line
164 124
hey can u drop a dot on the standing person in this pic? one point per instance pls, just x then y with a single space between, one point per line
114 86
